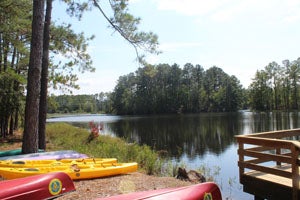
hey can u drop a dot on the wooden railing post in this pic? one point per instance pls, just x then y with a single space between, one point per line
286 157
278 152
241 158
295 171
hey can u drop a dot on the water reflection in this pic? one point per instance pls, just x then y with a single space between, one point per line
177 134
192 134
270 121
195 138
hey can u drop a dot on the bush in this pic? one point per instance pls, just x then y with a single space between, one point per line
65 136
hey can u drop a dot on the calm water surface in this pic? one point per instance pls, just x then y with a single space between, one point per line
195 140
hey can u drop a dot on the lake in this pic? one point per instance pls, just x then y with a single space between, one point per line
194 140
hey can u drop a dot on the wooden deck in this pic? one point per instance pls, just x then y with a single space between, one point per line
269 164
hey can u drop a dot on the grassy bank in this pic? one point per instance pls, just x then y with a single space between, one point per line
65 136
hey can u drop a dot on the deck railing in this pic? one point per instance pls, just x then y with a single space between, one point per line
275 153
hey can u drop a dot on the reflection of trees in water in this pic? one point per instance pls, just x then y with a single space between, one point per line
178 134
196 134
269 121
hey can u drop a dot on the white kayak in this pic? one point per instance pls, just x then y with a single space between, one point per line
63 154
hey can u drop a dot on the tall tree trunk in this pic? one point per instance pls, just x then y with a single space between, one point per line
30 137
44 78
5 55
11 125
13 58
1 49
16 89
16 122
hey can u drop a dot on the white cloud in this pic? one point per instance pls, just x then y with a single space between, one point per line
225 10
189 7
178 45
291 12
291 18
229 11
134 1
171 48
93 83
153 59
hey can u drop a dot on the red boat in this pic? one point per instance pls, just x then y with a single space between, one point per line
45 186
203 191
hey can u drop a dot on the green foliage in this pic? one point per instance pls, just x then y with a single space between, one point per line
64 136
161 89
80 103
209 173
128 26
276 87
170 169
73 48
15 34
76 9
170 89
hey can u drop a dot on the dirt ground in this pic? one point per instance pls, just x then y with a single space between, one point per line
110 186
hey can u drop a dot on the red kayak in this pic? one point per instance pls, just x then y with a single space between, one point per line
45 186
202 191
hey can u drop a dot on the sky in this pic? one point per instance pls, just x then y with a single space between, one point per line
239 36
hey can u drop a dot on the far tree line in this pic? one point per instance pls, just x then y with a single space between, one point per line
276 87
164 88
161 89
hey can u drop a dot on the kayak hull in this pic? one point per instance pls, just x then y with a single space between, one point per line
76 172
53 163
64 154
14 152
202 191
44 186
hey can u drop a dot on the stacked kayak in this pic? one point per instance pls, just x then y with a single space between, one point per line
64 154
45 186
76 165
75 171
45 175
53 163
202 191
14 152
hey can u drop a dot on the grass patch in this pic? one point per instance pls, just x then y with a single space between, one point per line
65 136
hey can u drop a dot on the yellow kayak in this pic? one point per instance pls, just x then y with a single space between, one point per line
75 171
52 163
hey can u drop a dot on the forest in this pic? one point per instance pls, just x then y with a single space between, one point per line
276 87
162 89
168 88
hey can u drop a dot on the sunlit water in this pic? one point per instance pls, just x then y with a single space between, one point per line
194 140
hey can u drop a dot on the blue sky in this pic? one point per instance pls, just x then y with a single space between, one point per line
239 36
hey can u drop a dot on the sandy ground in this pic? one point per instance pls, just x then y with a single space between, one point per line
110 186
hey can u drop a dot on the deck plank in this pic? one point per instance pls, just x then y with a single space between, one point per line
273 178
256 174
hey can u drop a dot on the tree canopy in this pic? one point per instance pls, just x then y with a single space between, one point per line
167 88
276 87
162 88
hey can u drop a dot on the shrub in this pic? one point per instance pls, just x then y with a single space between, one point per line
65 136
